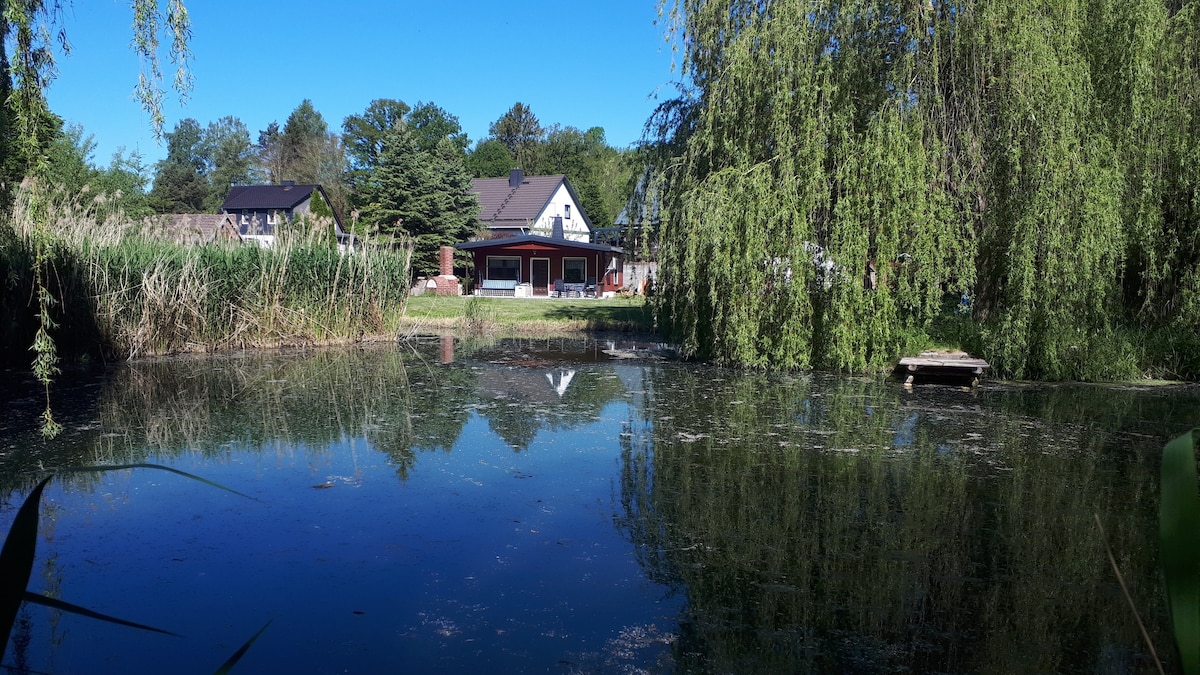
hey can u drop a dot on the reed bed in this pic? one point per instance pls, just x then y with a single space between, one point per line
123 290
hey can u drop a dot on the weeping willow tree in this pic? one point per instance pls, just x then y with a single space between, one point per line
842 172
808 169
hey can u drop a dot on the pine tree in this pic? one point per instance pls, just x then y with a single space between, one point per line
420 197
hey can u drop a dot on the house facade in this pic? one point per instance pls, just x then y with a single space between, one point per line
260 209
531 205
546 266
195 228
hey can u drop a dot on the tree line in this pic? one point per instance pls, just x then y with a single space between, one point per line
392 172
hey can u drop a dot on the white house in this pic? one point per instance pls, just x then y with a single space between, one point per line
536 205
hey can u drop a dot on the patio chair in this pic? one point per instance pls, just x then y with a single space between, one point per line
589 289
559 288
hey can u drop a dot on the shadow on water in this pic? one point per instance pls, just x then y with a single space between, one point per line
806 523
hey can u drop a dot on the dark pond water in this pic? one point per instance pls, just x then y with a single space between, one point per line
555 506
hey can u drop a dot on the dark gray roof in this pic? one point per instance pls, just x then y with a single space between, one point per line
260 197
535 239
501 205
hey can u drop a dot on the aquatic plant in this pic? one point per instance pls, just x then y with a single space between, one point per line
1179 532
20 548
123 291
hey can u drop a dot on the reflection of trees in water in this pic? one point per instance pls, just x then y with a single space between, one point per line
399 400
402 399
817 526
520 400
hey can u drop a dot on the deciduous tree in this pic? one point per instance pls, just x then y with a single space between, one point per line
489 159
229 157
431 125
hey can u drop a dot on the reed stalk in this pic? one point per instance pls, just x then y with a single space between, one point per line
124 291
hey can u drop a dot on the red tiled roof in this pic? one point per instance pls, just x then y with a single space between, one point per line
504 205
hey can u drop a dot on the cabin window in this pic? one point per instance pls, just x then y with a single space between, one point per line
574 270
567 211
271 217
506 269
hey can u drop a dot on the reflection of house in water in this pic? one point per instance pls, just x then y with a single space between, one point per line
564 381
524 386
523 398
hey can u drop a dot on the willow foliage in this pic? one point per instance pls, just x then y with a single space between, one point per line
843 172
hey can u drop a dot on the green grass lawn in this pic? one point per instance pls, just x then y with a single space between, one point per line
527 314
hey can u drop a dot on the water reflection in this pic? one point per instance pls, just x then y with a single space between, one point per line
785 523
834 525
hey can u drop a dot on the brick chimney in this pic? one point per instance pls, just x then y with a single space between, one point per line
445 283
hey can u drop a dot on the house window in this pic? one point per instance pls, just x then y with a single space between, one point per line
271 217
574 270
506 269
567 211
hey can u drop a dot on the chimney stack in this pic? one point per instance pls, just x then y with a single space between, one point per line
515 177
446 261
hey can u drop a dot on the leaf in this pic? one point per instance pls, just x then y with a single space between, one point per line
237 656
1179 532
16 558
54 603
119 467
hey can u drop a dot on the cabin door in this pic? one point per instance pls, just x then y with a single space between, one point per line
539 274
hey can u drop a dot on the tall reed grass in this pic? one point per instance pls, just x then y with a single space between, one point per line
123 291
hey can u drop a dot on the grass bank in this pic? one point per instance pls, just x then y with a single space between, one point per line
119 292
525 316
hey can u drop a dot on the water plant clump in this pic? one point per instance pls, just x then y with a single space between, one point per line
113 289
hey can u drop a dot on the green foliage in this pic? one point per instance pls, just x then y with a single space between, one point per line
418 196
123 293
303 134
305 152
600 173
519 131
201 164
1179 522
431 125
962 149
490 159
229 159
363 135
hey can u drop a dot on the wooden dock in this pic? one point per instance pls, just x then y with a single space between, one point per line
942 365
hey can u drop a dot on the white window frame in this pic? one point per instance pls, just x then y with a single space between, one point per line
490 258
582 277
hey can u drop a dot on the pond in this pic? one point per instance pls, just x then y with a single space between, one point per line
586 506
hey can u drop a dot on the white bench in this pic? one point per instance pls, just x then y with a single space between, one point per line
503 288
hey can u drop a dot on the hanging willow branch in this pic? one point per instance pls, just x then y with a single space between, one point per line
30 30
847 171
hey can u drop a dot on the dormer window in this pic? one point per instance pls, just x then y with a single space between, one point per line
567 211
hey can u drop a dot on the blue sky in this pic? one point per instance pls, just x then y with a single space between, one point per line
581 64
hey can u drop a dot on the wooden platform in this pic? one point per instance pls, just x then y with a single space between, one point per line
948 365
